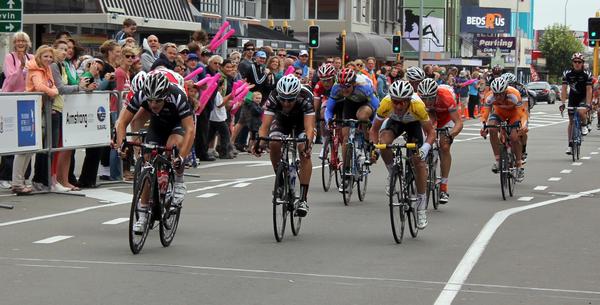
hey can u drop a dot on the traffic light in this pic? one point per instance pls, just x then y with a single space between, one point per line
313 36
593 30
592 43
396 41
339 42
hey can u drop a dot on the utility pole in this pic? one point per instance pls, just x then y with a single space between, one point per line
518 39
421 34
223 20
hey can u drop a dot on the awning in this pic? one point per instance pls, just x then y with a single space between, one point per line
177 10
264 36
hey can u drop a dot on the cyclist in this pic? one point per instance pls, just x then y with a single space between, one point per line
579 82
170 115
512 81
415 75
359 102
441 105
326 75
403 111
505 104
289 109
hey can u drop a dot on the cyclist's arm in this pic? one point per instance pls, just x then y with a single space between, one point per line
125 118
458 124
266 124
374 101
588 94
374 131
429 131
309 126
188 138
329 109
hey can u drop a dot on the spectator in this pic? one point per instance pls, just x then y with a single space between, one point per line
474 93
64 35
200 38
382 83
245 66
183 51
337 63
123 84
258 70
167 57
218 115
129 28
39 79
205 55
191 63
370 69
273 76
136 67
203 119
235 57
302 62
281 54
255 113
15 73
151 52
129 41
462 91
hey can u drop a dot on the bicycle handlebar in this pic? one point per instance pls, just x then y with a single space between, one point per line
284 139
412 146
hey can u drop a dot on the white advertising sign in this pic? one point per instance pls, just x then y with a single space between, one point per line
20 123
86 119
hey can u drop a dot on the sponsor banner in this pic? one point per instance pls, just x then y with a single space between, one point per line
477 19
20 123
433 29
86 119
491 44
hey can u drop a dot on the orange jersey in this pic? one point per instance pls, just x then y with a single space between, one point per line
445 103
510 108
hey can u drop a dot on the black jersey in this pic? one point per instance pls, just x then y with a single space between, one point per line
303 106
577 82
175 109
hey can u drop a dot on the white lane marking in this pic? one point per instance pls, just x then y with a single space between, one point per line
576 163
473 129
284 273
540 188
586 158
115 221
535 125
244 184
207 195
566 171
76 211
525 198
478 246
51 266
469 134
265 163
594 153
106 194
8 195
554 179
53 239
218 164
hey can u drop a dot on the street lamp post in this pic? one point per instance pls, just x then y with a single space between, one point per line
566 1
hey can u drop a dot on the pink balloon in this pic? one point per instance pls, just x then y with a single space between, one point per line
219 42
194 73
289 70
219 33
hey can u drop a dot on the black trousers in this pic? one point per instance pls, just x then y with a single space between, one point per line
6 166
473 101
89 170
221 129
202 131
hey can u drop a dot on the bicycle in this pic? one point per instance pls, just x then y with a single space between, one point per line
355 169
330 164
286 191
433 179
508 162
402 190
576 137
154 184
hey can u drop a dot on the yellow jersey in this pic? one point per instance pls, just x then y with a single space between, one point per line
415 112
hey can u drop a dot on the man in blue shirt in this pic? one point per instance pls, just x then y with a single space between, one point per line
302 63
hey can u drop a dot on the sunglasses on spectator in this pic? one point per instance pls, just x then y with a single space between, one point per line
185 52
129 56
281 55
250 49
298 73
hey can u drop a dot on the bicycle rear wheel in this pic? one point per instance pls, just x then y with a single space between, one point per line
136 171
145 184
348 175
410 193
169 219
293 202
335 161
327 170
397 204
280 198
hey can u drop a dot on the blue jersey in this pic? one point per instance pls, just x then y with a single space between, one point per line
363 94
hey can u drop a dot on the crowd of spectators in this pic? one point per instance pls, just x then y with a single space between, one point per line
60 69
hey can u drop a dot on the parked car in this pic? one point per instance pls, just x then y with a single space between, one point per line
556 90
543 92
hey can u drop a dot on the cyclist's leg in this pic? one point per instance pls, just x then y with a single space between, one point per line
364 113
305 169
390 130
349 112
445 156
276 130
415 135
494 138
176 138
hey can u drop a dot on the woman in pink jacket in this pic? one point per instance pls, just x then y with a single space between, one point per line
15 73
39 79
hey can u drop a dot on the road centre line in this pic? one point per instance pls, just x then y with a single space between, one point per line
207 195
586 158
52 266
554 179
566 171
469 260
593 153
262 271
540 188
53 239
576 163
116 221
526 198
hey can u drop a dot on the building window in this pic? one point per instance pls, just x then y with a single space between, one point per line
277 9
326 9
60 6
391 10
359 10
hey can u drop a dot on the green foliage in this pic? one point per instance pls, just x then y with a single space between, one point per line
558 44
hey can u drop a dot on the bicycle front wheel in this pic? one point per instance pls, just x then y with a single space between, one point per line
145 185
281 192
363 178
169 218
410 192
433 187
397 205
504 171
512 174
348 175
293 202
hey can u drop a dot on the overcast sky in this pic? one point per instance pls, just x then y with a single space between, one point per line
547 12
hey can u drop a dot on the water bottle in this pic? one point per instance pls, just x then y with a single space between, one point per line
163 180
293 175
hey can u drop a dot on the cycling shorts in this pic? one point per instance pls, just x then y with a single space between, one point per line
413 130
159 135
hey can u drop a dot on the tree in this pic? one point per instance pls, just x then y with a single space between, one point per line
558 44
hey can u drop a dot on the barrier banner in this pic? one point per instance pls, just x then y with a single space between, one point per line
86 119
20 123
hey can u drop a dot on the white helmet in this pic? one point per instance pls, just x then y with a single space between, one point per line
401 89
137 82
427 88
415 74
288 87
156 86
510 78
499 85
